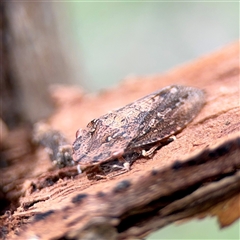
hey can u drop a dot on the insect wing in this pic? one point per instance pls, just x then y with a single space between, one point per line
172 109
107 137
145 121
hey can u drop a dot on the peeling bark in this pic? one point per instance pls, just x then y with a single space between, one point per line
194 176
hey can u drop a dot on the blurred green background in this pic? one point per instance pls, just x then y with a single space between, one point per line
108 41
197 229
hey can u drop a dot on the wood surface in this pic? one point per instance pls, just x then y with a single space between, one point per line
194 176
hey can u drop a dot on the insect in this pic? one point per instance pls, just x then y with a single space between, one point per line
117 138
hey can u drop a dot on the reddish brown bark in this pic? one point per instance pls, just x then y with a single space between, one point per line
141 200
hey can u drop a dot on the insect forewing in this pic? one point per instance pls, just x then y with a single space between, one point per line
145 121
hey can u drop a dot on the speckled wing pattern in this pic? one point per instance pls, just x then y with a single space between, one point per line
146 121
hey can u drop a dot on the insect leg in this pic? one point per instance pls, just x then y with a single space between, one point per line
151 150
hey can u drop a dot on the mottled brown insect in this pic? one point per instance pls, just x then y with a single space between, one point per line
137 129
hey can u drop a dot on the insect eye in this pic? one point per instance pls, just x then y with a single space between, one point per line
92 124
79 133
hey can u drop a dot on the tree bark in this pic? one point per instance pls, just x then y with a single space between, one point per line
194 176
